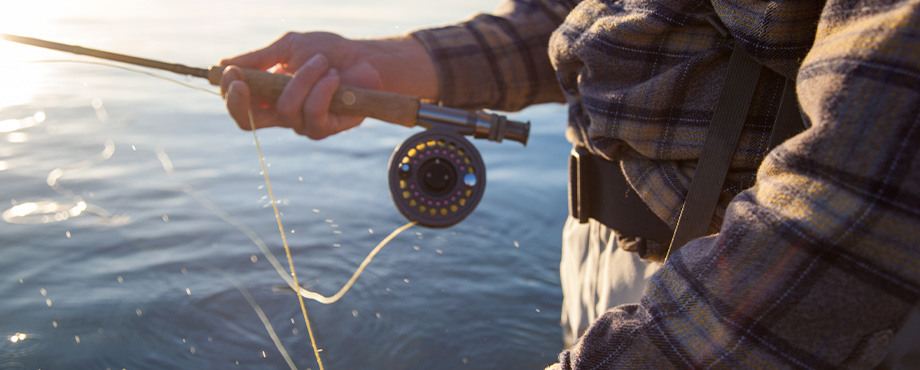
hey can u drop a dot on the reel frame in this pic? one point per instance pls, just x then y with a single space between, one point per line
436 177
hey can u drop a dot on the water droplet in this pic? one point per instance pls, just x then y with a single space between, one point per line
315 210
165 218
67 233
100 330
263 354
538 310
192 350
76 338
337 232
39 116
254 258
184 270
188 291
378 315
406 280
139 312
300 178
354 313
416 247
210 340
54 324
120 279
439 251
48 302
465 360
370 231
336 245
43 292
516 244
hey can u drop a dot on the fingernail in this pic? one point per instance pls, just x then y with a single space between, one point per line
318 60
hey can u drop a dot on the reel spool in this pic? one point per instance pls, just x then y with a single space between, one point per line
437 178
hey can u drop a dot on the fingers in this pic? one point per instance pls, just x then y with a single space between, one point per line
239 102
295 93
304 104
318 123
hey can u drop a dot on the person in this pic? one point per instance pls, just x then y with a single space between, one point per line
811 258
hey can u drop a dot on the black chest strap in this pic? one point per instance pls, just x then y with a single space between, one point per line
598 190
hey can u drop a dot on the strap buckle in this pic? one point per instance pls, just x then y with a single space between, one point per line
579 173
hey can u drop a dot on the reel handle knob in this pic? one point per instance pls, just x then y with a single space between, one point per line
390 107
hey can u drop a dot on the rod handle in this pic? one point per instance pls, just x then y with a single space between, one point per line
395 108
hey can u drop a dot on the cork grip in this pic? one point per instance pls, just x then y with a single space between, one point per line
395 108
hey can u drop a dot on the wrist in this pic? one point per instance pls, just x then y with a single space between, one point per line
405 66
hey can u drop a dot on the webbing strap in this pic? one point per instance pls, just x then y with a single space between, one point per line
788 118
721 141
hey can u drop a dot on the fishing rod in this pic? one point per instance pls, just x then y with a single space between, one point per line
436 177
401 109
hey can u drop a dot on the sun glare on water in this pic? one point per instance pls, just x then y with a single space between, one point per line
20 79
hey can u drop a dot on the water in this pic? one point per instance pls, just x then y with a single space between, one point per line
116 246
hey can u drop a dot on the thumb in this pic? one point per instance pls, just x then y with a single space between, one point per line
260 59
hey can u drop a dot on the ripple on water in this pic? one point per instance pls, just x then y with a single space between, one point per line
19 345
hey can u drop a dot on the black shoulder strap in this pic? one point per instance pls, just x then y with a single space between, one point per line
724 133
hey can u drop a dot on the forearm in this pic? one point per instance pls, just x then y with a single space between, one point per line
404 64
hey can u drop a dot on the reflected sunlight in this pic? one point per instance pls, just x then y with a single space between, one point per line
18 337
43 212
19 80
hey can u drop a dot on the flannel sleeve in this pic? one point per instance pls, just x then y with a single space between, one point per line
817 265
500 60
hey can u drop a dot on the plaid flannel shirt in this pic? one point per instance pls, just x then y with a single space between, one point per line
814 260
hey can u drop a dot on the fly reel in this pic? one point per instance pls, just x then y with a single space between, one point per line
437 178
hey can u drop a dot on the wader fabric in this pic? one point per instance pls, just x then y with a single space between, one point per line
596 275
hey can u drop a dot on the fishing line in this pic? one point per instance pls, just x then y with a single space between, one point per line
258 309
287 249
143 72
263 247
292 280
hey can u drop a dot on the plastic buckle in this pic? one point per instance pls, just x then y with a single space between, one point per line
579 182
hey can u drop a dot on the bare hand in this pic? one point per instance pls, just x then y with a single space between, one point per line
319 64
